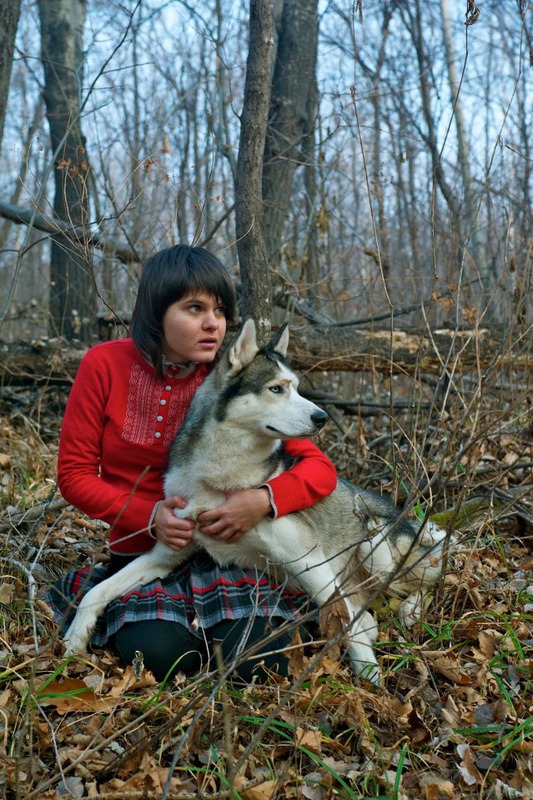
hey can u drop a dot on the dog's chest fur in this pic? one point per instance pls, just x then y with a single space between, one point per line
205 475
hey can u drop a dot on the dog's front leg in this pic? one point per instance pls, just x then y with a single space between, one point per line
422 566
319 581
361 636
158 563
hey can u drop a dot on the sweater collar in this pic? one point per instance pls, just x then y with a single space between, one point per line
172 370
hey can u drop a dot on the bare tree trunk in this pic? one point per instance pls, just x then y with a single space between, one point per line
134 133
181 199
223 133
9 18
311 260
415 27
291 116
24 165
72 290
462 139
312 198
255 272
375 76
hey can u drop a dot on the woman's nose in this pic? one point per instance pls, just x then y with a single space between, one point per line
210 320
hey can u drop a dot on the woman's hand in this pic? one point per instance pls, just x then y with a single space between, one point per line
241 512
169 530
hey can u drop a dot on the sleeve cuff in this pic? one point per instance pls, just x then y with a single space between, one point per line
268 487
151 532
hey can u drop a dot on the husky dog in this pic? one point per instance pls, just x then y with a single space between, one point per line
353 542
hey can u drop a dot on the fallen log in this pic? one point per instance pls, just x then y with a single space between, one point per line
313 348
48 361
442 351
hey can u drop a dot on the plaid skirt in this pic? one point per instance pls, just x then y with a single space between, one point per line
197 594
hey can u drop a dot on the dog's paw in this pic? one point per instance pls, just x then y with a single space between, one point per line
413 608
433 535
367 670
76 641
373 674
363 659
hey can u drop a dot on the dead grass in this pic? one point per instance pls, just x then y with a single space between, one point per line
453 719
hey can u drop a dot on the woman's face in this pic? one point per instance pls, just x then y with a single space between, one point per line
193 329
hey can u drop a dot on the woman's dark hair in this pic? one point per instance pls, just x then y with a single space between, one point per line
168 276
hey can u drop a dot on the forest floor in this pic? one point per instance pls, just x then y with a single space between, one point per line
452 719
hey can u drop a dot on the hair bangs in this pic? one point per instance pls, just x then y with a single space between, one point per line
201 278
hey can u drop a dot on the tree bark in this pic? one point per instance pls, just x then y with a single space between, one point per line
291 115
9 18
72 289
255 271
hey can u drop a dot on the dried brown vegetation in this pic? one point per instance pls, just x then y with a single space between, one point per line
454 717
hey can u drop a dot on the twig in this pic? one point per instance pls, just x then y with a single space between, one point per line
31 514
148 795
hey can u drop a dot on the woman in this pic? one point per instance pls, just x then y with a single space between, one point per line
127 403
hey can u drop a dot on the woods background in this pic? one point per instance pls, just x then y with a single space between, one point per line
364 170
386 147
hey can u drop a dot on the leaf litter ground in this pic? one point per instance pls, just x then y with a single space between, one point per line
454 718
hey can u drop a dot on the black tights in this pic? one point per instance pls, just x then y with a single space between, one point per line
168 647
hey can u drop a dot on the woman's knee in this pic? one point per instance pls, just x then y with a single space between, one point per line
167 647
234 637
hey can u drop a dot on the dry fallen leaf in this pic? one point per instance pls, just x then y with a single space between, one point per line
128 681
311 740
448 664
467 767
297 660
264 791
72 694
333 621
440 789
7 593
487 643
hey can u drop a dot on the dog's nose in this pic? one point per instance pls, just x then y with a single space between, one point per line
319 418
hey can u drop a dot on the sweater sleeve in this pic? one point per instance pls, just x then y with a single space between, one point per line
78 469
312 478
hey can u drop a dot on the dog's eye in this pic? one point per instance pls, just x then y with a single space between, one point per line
278 389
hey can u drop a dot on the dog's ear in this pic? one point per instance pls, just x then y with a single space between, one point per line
243 349
280 341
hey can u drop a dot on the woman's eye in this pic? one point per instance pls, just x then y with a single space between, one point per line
221 310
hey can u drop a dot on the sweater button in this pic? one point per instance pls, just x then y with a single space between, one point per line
160 418
168 388
157 435
162 402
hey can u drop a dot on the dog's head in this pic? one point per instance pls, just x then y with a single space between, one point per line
261 390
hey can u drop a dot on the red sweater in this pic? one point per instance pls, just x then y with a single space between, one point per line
119 423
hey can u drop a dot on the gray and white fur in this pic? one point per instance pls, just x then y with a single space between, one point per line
353 542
